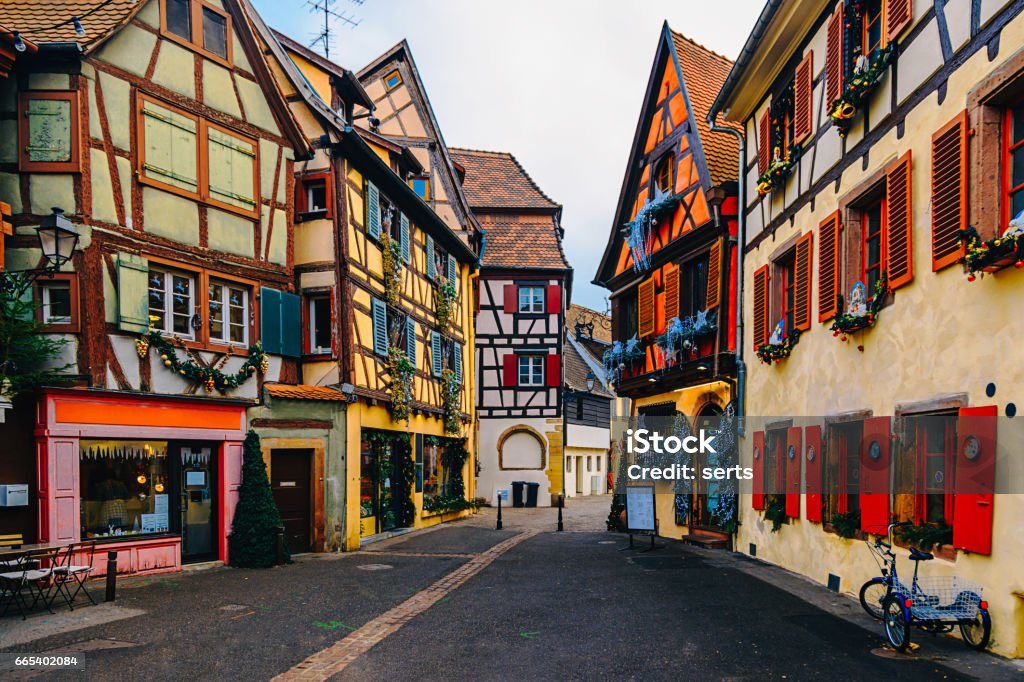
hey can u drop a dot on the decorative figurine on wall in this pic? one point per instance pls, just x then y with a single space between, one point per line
779 333
858 301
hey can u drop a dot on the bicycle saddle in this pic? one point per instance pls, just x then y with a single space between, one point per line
918 555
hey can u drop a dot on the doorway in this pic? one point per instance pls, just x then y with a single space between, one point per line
708 495
195 482
290 481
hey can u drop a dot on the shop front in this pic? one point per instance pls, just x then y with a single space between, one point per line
155 478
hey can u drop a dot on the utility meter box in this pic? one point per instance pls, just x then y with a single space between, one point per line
14 495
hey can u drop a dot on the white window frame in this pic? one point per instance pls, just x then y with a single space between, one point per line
45 288
534 370
225 338
534 299
308 186
311 310
168 291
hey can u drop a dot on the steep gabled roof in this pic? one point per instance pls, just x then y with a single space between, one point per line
498 180
49 21
577 369
523 243
348 82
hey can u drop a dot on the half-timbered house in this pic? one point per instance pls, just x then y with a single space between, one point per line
670 265
524 287
155 128
883 162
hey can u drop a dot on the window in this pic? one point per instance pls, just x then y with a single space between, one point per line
421 185
1014 163
873 35
392 80
172 301
229 312
694 287
872 245
787 272
935 442
316 195
579 408
198 25
531 370
48 131
320 323
125 488
531 299
842 469
432 478
626 318
313 196
665 172
233 168
56 303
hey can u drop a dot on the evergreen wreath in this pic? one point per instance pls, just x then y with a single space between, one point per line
769 353
444 300
846 323
253 539
212 378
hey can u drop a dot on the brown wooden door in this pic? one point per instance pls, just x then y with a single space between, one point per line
290 480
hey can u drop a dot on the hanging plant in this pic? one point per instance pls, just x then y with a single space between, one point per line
994 254
680 334
444 300
867 73
451 399
391 256
621 355
777 352
640 230
846 524
926 535
775 511
848 323
402 372
212 378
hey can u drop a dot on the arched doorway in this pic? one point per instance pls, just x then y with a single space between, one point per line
706 493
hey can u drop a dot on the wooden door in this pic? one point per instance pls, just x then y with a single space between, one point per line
290 477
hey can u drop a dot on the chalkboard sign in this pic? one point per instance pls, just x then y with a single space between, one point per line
640 508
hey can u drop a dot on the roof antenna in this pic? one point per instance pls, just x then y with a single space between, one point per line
326 7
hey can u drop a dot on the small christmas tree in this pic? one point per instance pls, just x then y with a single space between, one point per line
252 543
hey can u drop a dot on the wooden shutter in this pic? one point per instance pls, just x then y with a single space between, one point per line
457 350
511 299
405 237
757 494
829 272
834 57
554 302
380 327
431 265
874 476
802 292
372 210
232 169
270 320
410 340
714 292
760 331
418 447
764 141
132 292
453 271
291 325
645 308
671 292
171 147
553 370
812 466
975 479
49 137
803 105
794 438
898 15
949 191
436 360
510 371
899 207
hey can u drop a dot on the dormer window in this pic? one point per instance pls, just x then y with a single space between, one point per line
392 80
664 174
421 185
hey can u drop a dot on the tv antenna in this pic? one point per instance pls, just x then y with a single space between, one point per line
330 15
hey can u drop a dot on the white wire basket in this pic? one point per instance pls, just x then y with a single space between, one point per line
946 598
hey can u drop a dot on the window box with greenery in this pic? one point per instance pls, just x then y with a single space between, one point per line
994 254
861 315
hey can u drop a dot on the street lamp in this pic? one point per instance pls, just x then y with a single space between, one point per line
58 240
591 378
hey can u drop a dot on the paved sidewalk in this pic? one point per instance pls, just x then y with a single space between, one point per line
584 513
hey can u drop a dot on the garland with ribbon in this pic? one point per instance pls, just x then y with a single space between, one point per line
211 377
769 353
620 354
778 170
640 230
866 76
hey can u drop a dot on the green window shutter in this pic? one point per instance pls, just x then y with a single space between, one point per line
49 130
171 147
431 266
410 339
231 161
435 353
458 362
406 243
270 320
291 325
419 462
380 327
132 293
372 210
453 271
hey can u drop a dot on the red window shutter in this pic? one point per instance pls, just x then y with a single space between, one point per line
714 294
553 372
757 496
834 57
949 191
975 479
803 105
898 15
802 293
671 292
812 465
874 476
794 438
554 298
300 196
760 307
828 266
510 371
764 141
645 308
511 298
899 241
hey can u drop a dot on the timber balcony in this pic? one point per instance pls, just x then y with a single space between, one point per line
657 372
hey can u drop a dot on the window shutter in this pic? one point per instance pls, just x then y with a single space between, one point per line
372 210
270 320
757 490
828 266
554 301
300 196
714 293
410 340
645 308
764 141
436 361
803 105
431 265
49 130
453 271
834 57
898 15
510 371
760 307
511 298
899 242
132 292
672 292
291 325
171 147
418 441
553 370
874 476
949 191
232 164
405 237
794 438
457 349
975 480
812 467
802 292
380 327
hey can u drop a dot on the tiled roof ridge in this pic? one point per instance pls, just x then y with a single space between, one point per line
513 159
702 48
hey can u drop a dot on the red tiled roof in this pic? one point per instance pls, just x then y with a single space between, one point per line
304 392
49 21
522 242
497 180
704 73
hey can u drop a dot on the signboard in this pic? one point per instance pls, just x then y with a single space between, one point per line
640 508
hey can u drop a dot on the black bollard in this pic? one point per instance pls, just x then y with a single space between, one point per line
560 498
111 575
279 544
499 511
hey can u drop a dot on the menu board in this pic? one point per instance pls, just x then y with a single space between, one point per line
159 520
640 508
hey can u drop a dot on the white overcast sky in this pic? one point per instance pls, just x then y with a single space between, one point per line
558 83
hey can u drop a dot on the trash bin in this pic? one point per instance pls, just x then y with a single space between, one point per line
517 493
531 494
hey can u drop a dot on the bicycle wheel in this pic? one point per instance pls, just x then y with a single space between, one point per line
897 625
976 633
872 594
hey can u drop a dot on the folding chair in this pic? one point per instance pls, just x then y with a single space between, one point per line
76 568
12 581
35 574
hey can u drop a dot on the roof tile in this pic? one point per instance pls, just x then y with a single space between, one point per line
304 392
49 21
497 180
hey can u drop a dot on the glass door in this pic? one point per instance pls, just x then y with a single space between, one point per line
196 484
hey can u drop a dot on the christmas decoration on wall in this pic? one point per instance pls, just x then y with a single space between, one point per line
778 170
860 314
994 254
867 73
444 300
779 346
211 377
640 230
681 333
622 355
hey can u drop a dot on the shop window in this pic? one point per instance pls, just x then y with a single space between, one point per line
531 370
665 173
432 474
172 301
1014 164
392 80
421 185
229 312
320 331
842 469
125 488
48 132
57 298
531 299
198 25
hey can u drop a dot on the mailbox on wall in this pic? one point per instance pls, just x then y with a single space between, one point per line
14 495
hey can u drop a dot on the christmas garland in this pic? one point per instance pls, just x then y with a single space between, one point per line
391 258
847 324
864 79
451 394
620 354
681 333
640 230
777 352
778 170
211 378
444 300
402 372
980 255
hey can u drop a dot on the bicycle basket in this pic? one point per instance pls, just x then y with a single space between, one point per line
946 598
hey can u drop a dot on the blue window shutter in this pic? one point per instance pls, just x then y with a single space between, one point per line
291 325
458 362
453 271
372 210
270 320
435 353
380 327
406 244
410 339
431 265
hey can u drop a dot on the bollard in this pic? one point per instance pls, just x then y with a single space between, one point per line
560 498
279 544
499 511
111 575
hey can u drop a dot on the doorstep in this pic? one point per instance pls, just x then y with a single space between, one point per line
707 539
201 566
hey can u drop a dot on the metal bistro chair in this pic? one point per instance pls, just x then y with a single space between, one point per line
35 574
76 568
